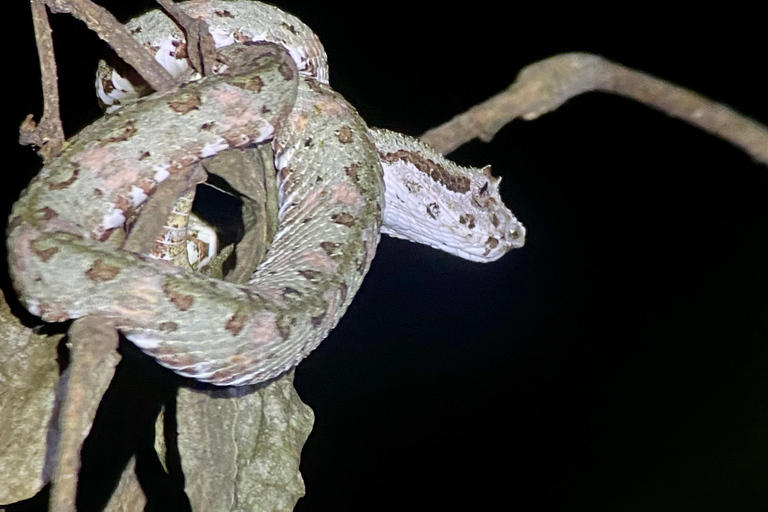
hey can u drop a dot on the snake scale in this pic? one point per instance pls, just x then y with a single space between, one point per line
340 184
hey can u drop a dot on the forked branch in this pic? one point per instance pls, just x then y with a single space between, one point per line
49 134
545 85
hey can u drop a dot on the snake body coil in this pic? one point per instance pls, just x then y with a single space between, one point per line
66 260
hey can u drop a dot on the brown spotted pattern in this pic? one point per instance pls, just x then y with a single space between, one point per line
102 272
438 173
186 103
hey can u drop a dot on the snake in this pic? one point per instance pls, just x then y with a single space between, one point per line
340 184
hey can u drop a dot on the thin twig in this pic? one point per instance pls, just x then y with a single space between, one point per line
113 32
49 134
201 49
545 85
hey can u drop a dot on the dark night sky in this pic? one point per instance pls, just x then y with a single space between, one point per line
616 362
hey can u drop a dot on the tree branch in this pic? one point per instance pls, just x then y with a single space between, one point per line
113 32
93 345
201 49
49 134
545 85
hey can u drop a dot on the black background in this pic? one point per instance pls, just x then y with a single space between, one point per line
616 362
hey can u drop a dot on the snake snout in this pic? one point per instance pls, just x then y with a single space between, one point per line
516 235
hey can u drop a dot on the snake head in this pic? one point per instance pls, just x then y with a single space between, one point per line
434 201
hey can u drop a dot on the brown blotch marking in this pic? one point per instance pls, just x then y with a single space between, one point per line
181 50
344 219
208 126
15 222
312 84
494 220
310 275
265 109
240 37
186 103
128 131
236 322
124 205
144 155
47 213
318 320
285 70
283 330
291 28
223 14
437 173
330 248
291 292
492 242
101 272
174 360
344 134
107 85
468 219
252 83
284 173
66 183
433 210
352 171
168 326
344 290
181 301
45 254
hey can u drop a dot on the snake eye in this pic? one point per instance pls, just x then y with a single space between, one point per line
481 196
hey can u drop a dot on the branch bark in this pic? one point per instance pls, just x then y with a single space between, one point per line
200 46
113 32
49 134
544 86
93 345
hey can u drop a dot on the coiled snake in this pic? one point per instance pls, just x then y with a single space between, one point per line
340 184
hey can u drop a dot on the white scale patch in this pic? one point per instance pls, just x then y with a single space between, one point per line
138 196
205 234
161 173
221 37
166 57
114 218
121 89
283 158
142 341
212 148
33 306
